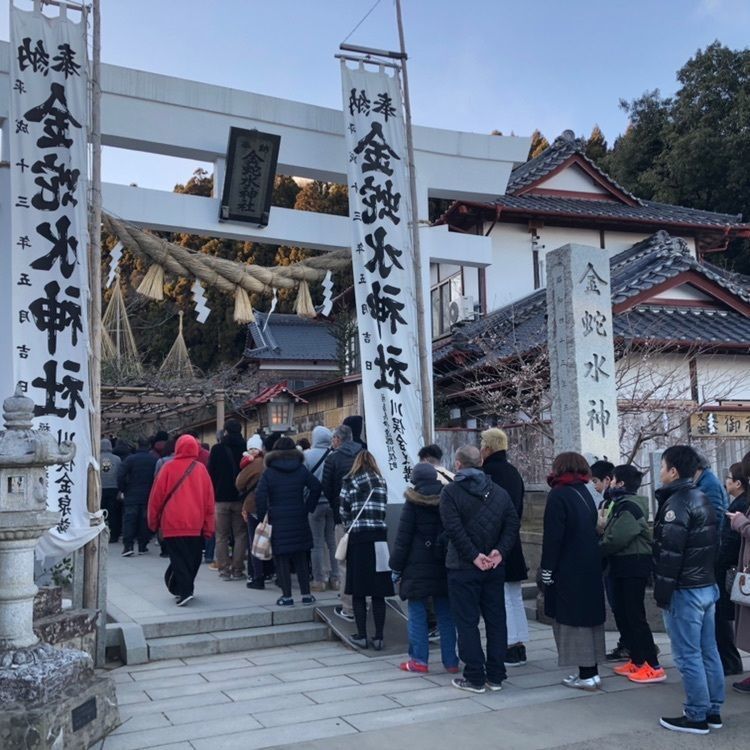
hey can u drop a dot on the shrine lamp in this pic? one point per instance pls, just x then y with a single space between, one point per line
279 412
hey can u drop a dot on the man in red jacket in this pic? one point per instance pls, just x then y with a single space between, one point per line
181 506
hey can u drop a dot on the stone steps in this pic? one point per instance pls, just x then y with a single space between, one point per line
194 623
239 639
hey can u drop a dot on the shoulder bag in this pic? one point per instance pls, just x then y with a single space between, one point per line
741 588
171 492
261 548
343 546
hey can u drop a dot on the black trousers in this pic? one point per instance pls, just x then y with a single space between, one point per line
113 506
630 617
731 661
283 565
475 592
134 527
185 555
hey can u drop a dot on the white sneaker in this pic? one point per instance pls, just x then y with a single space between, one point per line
591 683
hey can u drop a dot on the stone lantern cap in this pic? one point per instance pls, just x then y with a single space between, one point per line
21 445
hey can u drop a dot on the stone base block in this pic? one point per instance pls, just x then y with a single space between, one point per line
48 601
74 720
74 628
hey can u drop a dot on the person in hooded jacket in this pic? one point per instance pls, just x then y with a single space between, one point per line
482 526
251 470
110 465
626 544
223 468
321 520
494 450
336 467
181 507
281 494
418 565
571 571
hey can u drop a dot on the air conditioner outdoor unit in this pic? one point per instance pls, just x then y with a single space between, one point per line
461 310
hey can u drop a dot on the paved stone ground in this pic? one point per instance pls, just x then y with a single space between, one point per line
319 695
136 591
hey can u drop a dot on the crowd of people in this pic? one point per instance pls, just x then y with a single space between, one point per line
457 556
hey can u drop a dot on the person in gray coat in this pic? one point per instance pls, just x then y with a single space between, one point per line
110 464
321 519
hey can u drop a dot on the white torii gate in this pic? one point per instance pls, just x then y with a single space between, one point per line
176 117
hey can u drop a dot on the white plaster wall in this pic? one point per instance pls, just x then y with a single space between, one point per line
471 283
684 292
511 274
575 179
654 376
724 378
616 242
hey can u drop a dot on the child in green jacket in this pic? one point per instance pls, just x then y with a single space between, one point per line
626 543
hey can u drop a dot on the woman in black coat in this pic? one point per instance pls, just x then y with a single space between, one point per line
418 562
281 494
495 464
572 571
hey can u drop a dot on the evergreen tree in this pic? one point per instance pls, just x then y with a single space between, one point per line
538 144
596 145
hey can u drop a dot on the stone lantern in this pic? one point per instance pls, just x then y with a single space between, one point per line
49 697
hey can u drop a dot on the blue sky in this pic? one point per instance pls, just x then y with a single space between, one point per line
474 65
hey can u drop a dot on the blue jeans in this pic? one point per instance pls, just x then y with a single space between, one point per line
690 624
419 645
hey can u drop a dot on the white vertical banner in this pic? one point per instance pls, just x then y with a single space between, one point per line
382 259
49 115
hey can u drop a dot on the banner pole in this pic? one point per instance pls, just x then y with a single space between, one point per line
94 587
425 345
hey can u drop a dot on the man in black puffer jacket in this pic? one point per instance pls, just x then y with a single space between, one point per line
685 543
482 527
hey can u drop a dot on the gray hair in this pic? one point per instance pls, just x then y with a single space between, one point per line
343 433
468 456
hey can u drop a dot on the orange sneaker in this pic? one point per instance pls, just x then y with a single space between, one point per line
625 670
647 674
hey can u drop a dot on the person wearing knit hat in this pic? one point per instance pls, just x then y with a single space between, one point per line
418 563
494 451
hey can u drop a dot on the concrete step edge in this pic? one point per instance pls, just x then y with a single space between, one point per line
230 641
208 623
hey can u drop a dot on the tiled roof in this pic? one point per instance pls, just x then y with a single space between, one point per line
688 324
289 337
523 325
272 392
644 211
647 212
550 159
658 258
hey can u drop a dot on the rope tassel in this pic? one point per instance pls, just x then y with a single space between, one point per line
243 310
152 285
304 305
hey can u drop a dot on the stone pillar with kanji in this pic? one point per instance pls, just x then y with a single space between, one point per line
581 352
